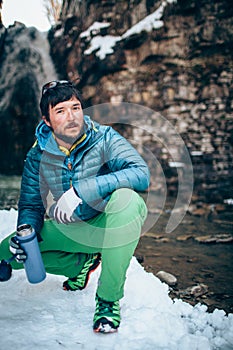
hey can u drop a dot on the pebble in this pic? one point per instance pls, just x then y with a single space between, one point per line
155 211
200 212
220 238
223 222
194 291
192 260
158 237
224 238
187 222
167 278
153 235
206 239
183 237
199 290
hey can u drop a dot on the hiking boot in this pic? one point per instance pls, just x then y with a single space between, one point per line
107 316
80 282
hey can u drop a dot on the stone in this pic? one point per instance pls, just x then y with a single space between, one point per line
167 277
224 238
219 238
200 212
199 290
195 291
183 238
206 239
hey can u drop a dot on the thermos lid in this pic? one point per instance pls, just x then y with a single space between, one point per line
24 230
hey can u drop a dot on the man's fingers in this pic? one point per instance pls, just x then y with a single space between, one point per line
62 217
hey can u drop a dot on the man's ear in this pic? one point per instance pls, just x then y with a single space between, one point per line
46 121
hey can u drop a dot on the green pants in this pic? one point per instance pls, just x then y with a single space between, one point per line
113 233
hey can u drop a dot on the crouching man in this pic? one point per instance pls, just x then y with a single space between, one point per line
93 175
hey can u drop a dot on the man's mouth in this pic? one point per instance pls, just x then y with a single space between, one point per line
72 125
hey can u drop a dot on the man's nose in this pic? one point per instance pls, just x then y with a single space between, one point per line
70 114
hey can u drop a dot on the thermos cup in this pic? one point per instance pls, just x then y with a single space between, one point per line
33 265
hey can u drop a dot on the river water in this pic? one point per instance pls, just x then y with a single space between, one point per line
207 266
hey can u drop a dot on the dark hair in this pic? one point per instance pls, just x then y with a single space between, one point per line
60 93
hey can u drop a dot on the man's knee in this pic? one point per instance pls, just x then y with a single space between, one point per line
127 203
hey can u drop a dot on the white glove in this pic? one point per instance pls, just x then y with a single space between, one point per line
65 206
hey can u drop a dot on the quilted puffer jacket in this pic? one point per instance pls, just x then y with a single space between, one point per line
101 162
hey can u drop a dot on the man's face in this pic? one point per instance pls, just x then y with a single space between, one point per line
66 121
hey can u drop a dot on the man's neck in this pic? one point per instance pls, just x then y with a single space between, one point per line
63 143
67 146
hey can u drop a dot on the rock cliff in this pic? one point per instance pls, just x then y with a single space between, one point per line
25 65
172 56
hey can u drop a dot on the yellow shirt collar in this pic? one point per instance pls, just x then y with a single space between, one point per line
68 151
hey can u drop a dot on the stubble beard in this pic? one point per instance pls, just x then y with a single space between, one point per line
69 139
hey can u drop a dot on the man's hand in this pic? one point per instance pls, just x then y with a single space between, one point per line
66 205
17 250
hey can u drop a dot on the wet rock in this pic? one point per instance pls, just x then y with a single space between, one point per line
175 259
209 211
192 260
157 236
200 212
155 211
184 237
153 235
206 239
140 259
194 291
154 255
167 277
224 238
164 240
220 208
223 222
219 238
187 222
199 290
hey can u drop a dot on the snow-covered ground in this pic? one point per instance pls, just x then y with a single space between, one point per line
43 316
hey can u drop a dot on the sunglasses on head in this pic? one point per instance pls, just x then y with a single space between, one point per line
53 84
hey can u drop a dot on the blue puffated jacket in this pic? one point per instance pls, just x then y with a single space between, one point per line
101 162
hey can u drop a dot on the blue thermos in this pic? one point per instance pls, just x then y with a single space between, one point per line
33 265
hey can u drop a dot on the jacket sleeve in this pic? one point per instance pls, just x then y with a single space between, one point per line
126 169
31 207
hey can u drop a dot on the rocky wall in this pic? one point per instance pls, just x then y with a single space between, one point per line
25 65
181 68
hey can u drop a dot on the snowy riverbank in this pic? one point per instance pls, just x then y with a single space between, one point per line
43 316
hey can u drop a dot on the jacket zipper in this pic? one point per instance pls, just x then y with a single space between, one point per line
69 165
